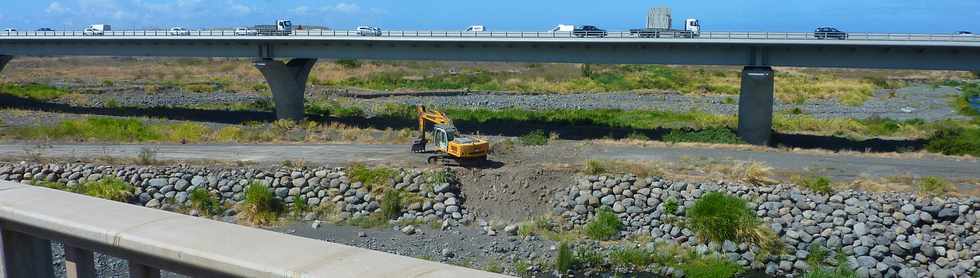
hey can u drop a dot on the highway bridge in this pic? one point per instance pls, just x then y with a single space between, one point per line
757 52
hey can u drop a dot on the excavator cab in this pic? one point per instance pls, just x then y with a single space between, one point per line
443 135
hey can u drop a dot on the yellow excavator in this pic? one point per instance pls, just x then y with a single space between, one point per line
450 146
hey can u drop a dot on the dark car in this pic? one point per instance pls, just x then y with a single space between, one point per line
45 30
824 33
589 31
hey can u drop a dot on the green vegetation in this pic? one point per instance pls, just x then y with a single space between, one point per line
631 258
204 202
109 188
298 207
671 206
374 220
604 226
534 138
933 186
952 140
391 204
260 206
819 184
333 109
33 91
710 267
586 257
522 268
819 269
639 169
564 260
374 178
348 63
711 135
718 217
962 103
51 185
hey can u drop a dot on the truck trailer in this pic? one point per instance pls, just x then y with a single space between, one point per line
282 28
659 25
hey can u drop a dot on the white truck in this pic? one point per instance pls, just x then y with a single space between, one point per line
659 25
97 29
283 27
563 28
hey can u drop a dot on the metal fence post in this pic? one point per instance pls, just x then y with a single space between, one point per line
137 270
24 256
79 263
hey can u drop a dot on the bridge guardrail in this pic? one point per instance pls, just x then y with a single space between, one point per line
539 35
31 217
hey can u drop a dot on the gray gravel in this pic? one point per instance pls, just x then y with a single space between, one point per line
916 102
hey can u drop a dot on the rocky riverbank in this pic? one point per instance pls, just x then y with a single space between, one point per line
881 234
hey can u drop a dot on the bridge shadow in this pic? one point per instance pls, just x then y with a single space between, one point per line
512 128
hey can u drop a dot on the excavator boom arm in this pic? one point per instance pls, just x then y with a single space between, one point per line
435 117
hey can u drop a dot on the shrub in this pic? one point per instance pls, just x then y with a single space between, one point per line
348 63
260 206
109 188
391 204
819 184
204 202
711 135
718 217
374 220
955 141
671 206
587 257
534 138
595 167
933 186
522 268
604 226
710 267
631 258
818 269
564 260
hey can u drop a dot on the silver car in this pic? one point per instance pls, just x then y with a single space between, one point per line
369 31
179 31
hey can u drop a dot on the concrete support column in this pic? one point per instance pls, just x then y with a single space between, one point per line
137 270
25 256
755 105
4 59
288 84
79 263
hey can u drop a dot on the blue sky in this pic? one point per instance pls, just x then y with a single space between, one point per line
935 16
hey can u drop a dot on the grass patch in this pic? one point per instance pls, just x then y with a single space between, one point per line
710 267
819 184
374 220
374 178
819 269
51 185
33 91
391 204
631 258
604 226
953 140
639 169
564 260
711 135
718 217
260 207
968 91
933 186
109 188
534 138
298 207
205 202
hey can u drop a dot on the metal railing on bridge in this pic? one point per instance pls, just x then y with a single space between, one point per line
645 35
31 217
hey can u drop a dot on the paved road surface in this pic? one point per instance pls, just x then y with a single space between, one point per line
837 166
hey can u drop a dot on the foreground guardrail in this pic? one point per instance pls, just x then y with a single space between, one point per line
151 240
512 35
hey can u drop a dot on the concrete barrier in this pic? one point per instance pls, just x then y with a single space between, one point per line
153 239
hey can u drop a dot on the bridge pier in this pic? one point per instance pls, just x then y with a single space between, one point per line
288 84
4 59
755 105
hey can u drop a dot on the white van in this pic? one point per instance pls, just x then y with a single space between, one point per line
476 28
563 28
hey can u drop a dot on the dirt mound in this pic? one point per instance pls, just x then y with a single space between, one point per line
512 193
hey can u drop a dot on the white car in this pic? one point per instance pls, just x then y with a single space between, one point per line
476 28
964 33
246 32
92 32
369 31
179 31
10 30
